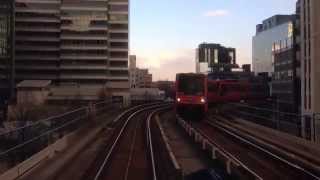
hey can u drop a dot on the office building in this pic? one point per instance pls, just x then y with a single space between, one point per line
73 42
273 29
285 84
310 64
7 84
214 57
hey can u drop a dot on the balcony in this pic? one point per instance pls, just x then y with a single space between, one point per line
96 27
36 76
115 49
42 11
119 31
113 77
36 58
121 59
118 40
118 22
84 37
118 2
36 48
83 67
83 8
37 19
118 68
38 29
39 1
86 47
42 39
83 76
83 57
35 67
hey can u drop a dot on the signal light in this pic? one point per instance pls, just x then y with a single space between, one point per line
203 100
178 99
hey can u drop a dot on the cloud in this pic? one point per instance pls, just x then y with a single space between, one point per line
165 63
216 13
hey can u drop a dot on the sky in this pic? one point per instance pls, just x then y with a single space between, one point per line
164 34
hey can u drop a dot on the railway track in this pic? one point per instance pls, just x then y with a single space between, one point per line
240 153
292 159
129 152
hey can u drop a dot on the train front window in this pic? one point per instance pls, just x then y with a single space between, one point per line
191 85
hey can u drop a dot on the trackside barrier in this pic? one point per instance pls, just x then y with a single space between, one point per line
300 125
169 167
27 142
232 164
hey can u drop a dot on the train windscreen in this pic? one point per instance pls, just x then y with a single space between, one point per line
191 85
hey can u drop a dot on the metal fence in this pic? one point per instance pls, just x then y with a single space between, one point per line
304 126
21 143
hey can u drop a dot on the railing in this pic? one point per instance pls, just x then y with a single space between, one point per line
295 124
21 143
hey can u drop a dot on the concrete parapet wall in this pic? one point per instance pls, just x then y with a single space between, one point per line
34 160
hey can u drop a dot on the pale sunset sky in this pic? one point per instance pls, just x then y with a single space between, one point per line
164 34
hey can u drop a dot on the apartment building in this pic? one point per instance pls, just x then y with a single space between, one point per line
73 42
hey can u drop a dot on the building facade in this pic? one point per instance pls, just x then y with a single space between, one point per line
310 64
273 29
139 78
80 42
285 84
7 62
214 57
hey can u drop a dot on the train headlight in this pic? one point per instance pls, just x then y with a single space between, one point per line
178 99
202 100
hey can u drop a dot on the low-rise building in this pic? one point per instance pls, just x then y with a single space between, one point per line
139 78
33 92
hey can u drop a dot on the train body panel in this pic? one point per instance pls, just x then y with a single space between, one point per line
191 93
196 91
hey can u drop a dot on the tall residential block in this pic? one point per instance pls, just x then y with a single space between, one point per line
73 42
275 28
37 26
310 61
214 57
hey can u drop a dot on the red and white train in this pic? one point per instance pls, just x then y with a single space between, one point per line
196 92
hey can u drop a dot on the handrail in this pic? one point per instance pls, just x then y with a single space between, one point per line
52 117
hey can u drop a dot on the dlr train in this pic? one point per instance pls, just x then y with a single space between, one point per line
196 92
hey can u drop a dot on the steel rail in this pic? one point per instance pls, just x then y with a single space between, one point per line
224 151
264 150
136 110
150 144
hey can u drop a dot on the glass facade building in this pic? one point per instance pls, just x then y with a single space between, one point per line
275 29
82 42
